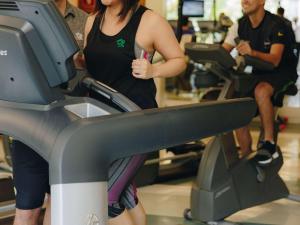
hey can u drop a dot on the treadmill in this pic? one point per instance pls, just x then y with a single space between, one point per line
76 135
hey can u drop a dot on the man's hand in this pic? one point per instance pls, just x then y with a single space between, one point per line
142 69
244 48
79 61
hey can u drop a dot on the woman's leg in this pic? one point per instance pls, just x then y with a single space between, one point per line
123 219
130 200
138 214
121 174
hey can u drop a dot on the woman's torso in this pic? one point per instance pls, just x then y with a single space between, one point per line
109 59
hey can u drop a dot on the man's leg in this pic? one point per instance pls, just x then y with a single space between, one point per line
27 217
263 94
267 151
31 180
244 139
47 217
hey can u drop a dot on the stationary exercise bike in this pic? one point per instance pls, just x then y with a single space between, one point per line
226 183
77 135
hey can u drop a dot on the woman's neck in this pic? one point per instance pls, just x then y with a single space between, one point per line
113 11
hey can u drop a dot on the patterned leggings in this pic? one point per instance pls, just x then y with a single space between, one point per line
121 190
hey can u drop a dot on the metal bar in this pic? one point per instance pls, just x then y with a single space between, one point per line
181 156
294 197
7 208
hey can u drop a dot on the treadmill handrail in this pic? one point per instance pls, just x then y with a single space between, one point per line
134 133
199 52
216 53
258 63
120 100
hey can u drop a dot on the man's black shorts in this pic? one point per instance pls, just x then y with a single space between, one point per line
279 83
31 176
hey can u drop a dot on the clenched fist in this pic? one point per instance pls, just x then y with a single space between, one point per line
142 69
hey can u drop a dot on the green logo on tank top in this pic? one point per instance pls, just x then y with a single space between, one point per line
121 43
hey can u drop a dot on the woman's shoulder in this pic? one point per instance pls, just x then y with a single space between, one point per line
152 18
89 23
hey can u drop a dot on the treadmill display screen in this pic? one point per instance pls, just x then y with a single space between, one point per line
193 8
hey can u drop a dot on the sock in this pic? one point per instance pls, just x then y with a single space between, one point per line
271 141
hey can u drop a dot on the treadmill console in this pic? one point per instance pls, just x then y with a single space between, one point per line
38 51
209 52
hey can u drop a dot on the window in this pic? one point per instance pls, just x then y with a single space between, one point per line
225 6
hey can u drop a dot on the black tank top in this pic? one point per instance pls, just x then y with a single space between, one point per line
109 58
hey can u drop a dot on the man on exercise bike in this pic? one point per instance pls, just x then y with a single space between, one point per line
265 36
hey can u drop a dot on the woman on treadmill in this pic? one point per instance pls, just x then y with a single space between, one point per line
120 40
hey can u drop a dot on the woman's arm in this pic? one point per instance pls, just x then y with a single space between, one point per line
163 40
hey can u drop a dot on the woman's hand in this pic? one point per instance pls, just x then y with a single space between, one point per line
142 69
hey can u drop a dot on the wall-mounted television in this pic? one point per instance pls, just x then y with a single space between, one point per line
193 8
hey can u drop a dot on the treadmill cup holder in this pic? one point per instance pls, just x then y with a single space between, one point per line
86 110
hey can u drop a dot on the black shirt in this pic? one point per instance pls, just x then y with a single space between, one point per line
109 59
272 30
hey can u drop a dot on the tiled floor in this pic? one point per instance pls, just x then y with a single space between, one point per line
165 203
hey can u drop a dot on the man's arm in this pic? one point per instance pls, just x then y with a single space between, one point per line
273 57
227 46
279 38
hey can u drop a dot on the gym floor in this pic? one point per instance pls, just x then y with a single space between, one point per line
165 203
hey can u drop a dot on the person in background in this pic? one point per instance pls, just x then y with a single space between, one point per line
280 13
296 27
265 36
186 26
224 22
